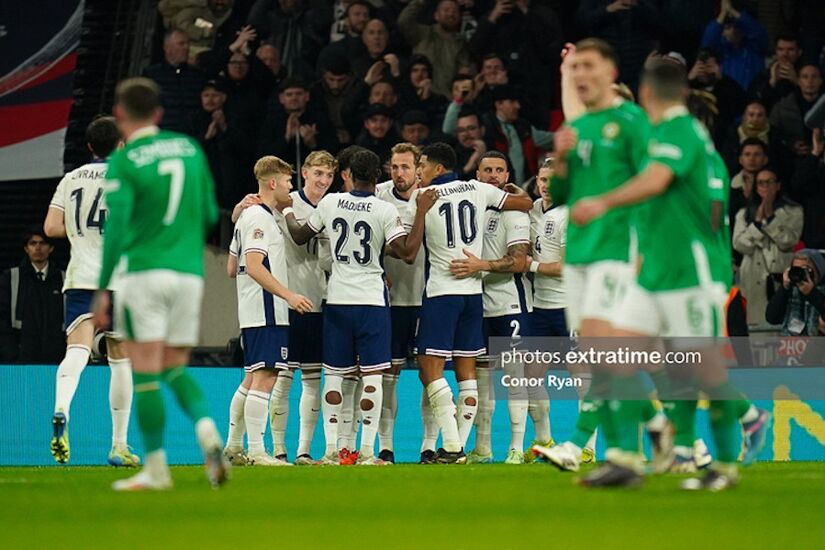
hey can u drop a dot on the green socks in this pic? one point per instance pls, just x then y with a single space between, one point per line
150 411
724 421
187 391
627 410
586 423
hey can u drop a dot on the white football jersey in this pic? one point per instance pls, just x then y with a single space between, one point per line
505 293
358 226
80 196
548 231
455 222
258 231
407 280
306 277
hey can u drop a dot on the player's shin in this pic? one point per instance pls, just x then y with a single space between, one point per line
388 411
517 406
309 408
430 435
237 424
441 401
332 405
151 416
486 408
279 412
467 408
188 393
347 428
370 403
120 399
68 376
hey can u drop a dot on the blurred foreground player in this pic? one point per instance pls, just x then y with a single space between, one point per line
161 202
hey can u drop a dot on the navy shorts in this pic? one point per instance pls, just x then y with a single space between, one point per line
356 337
451 326
404 326
514 327
77 305
549 322
306 339
265 347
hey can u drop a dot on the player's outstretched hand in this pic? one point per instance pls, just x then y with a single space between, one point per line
514 189
466 267
587 210
100 310
426 199
567 55
299 303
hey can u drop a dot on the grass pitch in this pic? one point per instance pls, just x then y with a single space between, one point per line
409 506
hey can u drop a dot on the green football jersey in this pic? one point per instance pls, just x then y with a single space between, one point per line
721 261
161 201
610 150
677 243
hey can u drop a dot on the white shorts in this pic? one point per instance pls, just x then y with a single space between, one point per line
160 306
594 291
688 312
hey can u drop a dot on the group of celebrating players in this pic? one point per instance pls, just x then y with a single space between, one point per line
350 283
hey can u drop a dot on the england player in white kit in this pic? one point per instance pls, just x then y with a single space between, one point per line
450 322
78 211
356 314
507 299
258 256
406 287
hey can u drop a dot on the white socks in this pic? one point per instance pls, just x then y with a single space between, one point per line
309 409
68 375
279 411
120 398
467 408
155 465
207 434
539 411
255 417
332 412
388 412
370 403
441 401
430 425
484 416
348 429
237 425
750 415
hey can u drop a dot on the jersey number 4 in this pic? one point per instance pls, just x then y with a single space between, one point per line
467 228
363 230
97 216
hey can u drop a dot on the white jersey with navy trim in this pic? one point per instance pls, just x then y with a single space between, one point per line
258 231
80 196
305 274
505 293
548 231
407 280
454 223
358 225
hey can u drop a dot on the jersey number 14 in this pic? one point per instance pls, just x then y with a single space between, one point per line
97 216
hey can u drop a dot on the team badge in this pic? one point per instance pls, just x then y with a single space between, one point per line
258 234
610 130
398 221
284 352
492 225
548 228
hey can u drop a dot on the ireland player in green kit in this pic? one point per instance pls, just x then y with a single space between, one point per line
685 270
160 196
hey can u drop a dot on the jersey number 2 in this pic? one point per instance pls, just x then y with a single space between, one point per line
173 168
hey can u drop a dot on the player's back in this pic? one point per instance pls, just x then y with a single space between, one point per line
358 225
80 196
164 180
453 224
610 150
407 280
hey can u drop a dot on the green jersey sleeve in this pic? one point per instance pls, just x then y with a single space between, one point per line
559 189
120 202
719 183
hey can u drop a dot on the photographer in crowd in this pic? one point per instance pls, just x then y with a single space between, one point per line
799 304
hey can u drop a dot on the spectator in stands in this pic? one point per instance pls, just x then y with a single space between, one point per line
765 233
415 128
356 17
630 26
808 185
364 94
707 74
292 130
782 77
742 42
512 135
180 84
270 56
441 42
787 115
378 134
297 28
329 93
529 34
31 306
799 305
207 24
375 60
471 145
417 90
754 124
753 157
213 61
493 74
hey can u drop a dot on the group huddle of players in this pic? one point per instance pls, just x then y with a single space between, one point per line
351 284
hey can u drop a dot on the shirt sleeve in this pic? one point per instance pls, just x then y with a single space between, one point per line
639 137
59 198
315 221
517 226
719 183
393 226
493 196
120 200
255 234
233 244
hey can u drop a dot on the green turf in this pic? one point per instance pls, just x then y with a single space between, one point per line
439 507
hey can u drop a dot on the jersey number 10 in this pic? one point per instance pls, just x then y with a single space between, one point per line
467 227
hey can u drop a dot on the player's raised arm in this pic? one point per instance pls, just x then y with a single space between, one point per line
249 200
406 248
571 105
516 199
301 232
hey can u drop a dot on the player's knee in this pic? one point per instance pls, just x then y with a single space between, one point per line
333 397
